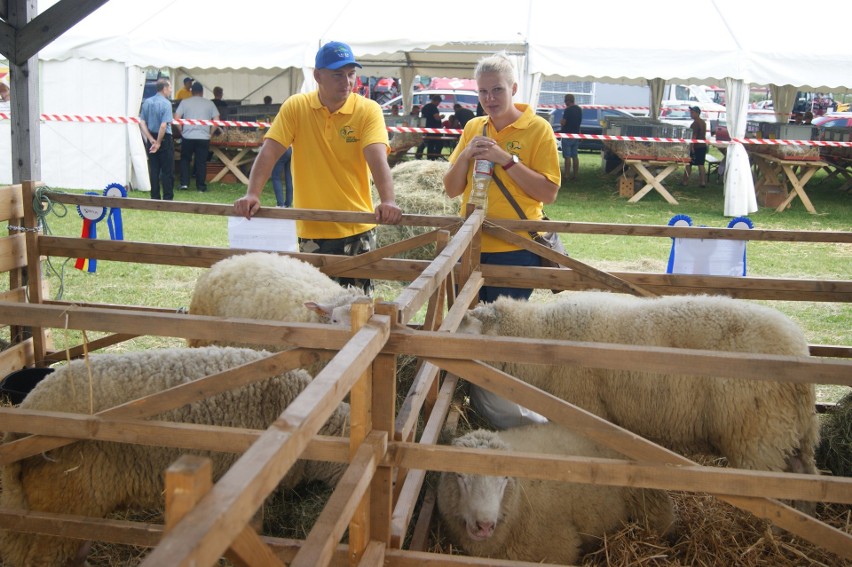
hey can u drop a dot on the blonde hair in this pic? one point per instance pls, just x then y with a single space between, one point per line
497 63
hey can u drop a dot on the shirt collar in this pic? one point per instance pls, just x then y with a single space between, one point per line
347 108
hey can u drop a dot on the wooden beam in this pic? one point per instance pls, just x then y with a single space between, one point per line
166 400
342 505
610 281
50 24
187 480
689 362
206 531
194 436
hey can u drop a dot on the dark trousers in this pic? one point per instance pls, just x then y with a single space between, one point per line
161 168
195 151
434 148
488 294
349 246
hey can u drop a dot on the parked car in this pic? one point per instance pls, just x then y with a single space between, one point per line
678 115
449 97
594 120
834 120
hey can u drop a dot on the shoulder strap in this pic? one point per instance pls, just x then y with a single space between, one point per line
534 235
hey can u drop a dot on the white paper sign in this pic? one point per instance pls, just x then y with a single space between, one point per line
710 257
274 235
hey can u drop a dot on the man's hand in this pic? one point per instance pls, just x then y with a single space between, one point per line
247 206
388 213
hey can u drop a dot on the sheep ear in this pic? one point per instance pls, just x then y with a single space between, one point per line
321 310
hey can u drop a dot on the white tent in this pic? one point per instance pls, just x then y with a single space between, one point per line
266 47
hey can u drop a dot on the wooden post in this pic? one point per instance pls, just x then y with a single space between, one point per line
361 424
33 269
187 480
384 419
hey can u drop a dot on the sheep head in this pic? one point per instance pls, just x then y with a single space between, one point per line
480 501
337 309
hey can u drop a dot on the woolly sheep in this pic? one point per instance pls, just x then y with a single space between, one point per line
262 285
755 424
95 478
525 519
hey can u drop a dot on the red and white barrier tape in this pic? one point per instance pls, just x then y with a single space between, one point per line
441 131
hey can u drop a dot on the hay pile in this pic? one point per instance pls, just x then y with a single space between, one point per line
835 445
419 190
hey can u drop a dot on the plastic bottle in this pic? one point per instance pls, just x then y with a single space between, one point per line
482 172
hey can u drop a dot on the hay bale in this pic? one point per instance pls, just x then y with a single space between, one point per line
835 447
419 189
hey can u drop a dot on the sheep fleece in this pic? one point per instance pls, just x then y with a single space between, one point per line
756 424
538 520
262 285
95 478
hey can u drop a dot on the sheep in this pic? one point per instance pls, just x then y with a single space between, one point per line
261 285
754 424
525 519
96 478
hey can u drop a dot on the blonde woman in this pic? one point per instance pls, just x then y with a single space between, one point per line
524 152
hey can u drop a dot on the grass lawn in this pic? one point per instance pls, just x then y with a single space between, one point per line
593 198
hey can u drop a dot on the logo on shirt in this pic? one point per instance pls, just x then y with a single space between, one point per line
513 147
348 134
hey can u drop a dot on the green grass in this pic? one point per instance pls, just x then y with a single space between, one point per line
593 198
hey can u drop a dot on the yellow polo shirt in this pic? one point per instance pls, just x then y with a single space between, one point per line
530 138
328 164
183 93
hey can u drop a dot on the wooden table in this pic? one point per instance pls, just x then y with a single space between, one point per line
840 167
644 167
772 170
233 155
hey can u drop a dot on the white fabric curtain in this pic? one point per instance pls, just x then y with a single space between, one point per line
657 86
783 99
407 86
309 84
739 185
138 165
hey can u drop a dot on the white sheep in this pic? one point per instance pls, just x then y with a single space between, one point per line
524 519
95 478
262 285
763 425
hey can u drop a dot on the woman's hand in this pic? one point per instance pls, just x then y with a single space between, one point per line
482 147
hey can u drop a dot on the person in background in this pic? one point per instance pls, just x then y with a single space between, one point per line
267 99
155 121
195 140
432 117
697 151
808 118
5 97
220 103
530 171
572 117
462 114
186 91
414 116
332 172
283 166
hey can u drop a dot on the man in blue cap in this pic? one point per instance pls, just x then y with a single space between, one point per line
338 138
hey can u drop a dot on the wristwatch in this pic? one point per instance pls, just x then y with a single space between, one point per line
511 163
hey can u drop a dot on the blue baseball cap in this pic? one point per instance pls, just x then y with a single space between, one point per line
334 55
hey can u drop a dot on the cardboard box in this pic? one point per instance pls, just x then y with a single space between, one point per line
771 196
626 186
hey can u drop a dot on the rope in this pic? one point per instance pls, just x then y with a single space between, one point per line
43 206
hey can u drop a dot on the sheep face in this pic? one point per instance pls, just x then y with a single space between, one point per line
338 309
480 503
